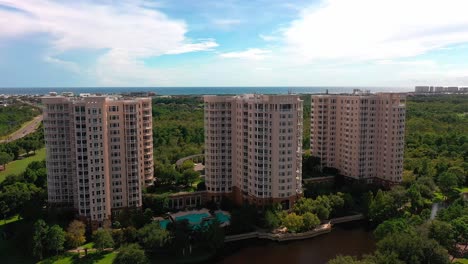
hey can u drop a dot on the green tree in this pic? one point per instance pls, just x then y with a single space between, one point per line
39 237
447 183
344 260
391 226
337 202
55 239
415 197
189 177
131 254
243 219
181 236
443 233
5 158
310 221
382 207
130 234
76 234
118 237
166 174
293 222
303 205
460 226
102 239
187 165
271 219
4 210
460 173
321 211
212 236
412 248
152 236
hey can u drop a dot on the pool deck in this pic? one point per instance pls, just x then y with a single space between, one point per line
184 213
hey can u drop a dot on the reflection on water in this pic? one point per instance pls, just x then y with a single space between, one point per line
315 250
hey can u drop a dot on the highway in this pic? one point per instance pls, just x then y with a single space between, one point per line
28 129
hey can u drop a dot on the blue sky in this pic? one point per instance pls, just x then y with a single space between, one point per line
70 43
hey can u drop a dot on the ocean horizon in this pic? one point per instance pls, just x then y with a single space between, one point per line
201 90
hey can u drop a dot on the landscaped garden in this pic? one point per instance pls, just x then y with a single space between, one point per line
19 166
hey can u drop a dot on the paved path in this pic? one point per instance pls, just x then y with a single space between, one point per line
28 129
435 208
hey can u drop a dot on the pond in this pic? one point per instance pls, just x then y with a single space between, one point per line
317 250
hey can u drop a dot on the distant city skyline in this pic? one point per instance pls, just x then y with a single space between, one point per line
46 43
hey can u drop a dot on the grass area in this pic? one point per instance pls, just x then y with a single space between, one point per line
72 258
461 261
18 166
463 190
171 189
88 245
7 221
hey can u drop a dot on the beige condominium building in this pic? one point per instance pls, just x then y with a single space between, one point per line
253 148
99 153
360 134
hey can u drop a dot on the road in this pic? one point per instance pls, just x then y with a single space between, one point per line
28 129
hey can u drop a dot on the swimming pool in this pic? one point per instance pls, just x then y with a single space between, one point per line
222 217
163 223
194 219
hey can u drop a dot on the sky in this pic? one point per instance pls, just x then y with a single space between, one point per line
389 43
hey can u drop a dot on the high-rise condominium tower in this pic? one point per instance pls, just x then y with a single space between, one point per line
99 153
253 148
360 134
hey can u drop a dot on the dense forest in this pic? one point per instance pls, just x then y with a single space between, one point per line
177 128
436 136
13 116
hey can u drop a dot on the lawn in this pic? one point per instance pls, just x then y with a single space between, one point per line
18 166
72 258
9 220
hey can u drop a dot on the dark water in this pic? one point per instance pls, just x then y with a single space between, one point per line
200 90
318 250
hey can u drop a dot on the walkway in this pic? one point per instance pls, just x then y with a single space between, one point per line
435 209
181 161
322 229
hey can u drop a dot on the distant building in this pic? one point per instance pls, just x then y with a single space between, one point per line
253 148
360 134
451 89
422 89
99 153
439 89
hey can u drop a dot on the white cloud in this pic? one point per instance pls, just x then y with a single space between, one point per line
268 37
71 66
416 63
226 22
123 27
249 54
377 29
192 47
